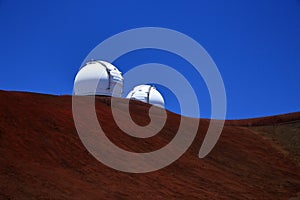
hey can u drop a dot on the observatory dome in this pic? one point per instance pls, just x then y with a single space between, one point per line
147 94
98 78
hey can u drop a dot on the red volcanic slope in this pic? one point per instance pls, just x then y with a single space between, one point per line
42 157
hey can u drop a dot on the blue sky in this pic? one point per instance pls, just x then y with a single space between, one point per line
255 44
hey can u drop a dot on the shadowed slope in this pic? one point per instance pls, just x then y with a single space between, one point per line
42 157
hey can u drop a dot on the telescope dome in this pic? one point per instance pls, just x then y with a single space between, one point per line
147 94
98 78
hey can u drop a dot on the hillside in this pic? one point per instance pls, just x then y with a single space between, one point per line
42 156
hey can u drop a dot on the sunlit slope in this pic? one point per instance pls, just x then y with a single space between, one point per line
42 156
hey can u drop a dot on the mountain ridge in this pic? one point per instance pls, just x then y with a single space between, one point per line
43 157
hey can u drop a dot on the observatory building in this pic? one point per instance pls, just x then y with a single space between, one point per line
98 78
147 94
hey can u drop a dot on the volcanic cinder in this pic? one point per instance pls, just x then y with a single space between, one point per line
42 156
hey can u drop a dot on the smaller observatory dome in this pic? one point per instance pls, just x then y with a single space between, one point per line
98 78
147 94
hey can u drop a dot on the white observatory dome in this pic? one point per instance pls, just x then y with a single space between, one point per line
147 94
98 78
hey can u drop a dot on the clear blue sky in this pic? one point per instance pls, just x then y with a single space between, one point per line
255 44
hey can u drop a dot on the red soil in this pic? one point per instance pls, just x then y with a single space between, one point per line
42 157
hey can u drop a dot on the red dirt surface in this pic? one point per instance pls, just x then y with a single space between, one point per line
42 157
